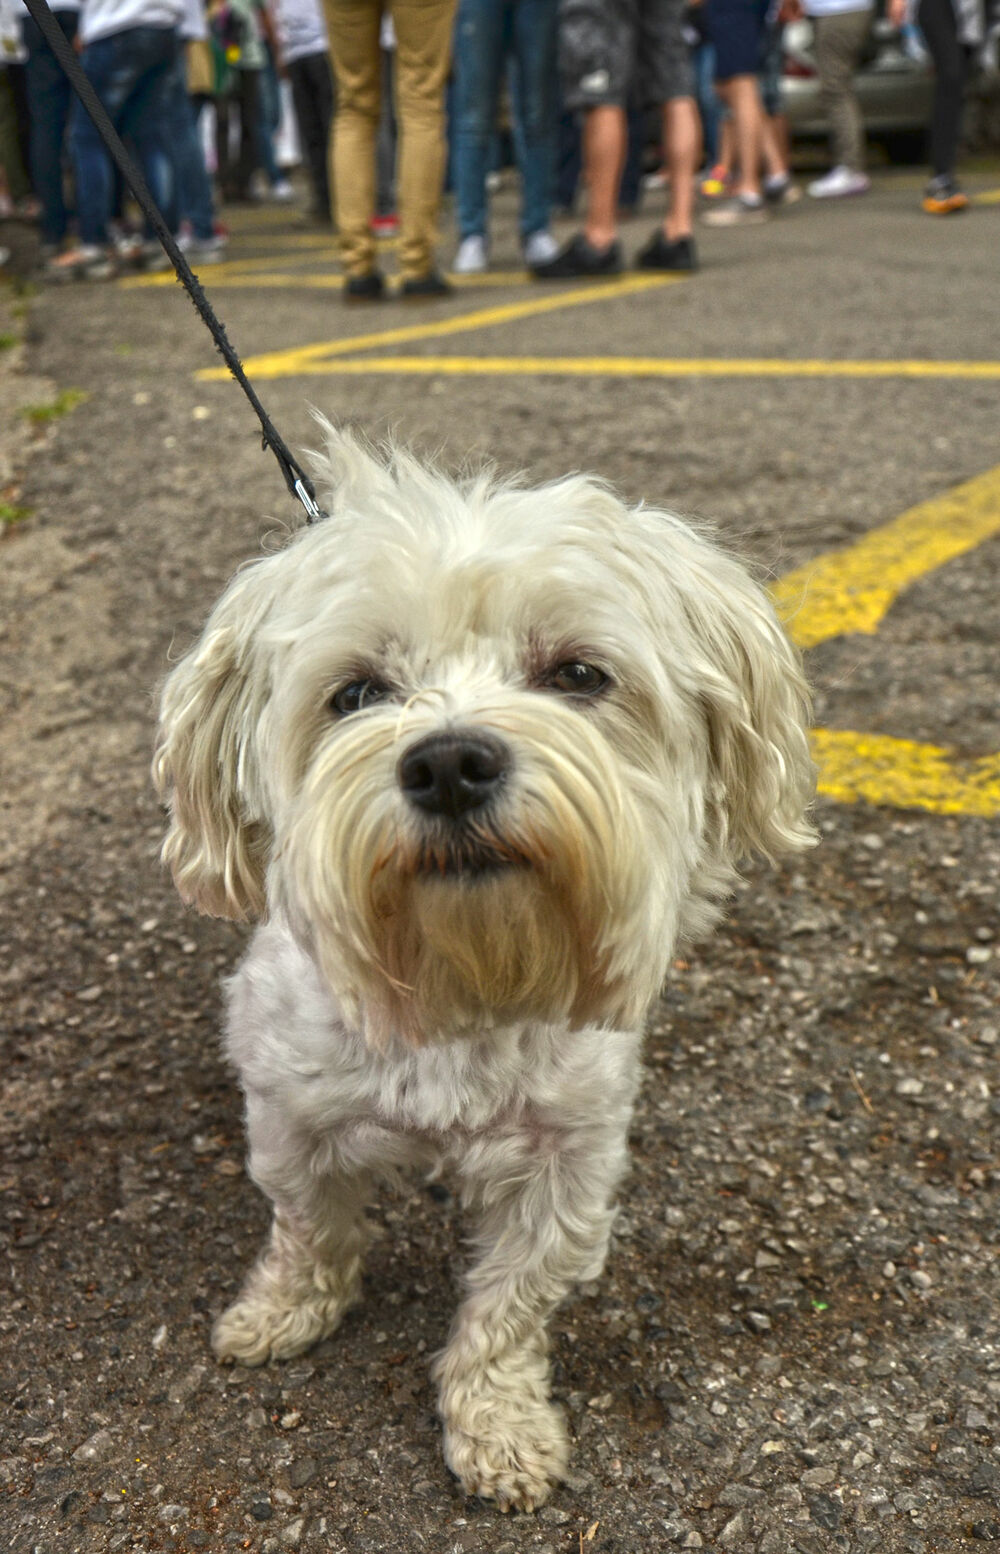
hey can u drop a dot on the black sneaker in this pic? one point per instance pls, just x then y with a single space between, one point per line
662 254
420 286
579 258
364 288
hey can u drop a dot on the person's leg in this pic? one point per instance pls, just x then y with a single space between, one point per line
735 29
666 76
353 28
248 90
479 60
604 138
192 191
423 55
104 65
386 140
535 35
312 97
839 41
144 113
50 96
742 98
936 19
682 142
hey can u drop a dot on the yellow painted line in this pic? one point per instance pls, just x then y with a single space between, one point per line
655 367
308 359
904 774
985 197
219 274
244 274
850 590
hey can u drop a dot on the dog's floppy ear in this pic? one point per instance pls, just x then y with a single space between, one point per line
757 709
206 765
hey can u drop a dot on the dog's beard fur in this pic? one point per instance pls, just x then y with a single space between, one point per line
536 908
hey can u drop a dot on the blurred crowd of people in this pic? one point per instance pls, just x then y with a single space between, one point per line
396 101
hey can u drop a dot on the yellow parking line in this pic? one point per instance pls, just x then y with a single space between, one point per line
850 590
985 197
904 774
218 274
641 366
308 359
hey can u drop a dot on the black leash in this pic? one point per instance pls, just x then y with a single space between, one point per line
296 479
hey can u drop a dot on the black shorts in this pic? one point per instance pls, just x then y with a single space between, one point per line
622 52
736 30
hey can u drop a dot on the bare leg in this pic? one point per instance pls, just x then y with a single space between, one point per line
604 145
543 1230
310 1270
682 143
743 99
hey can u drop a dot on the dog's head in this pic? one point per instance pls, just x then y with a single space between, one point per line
489 749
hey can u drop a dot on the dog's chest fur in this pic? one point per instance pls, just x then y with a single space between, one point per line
522 1088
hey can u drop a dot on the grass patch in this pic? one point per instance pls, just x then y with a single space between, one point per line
7 342
11 515
41 415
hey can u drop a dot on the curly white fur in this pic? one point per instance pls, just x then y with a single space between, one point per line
401 1008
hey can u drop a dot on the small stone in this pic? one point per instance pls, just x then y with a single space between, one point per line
771 1448
920 1279
975 1419
758 1321
910 1087
826 1511
291 1534
988 1532
976 955
814 1478
97 1448
291 1420
262 1510
172 1513
303 1472
694 1540
734 1532
602 1402
554 1516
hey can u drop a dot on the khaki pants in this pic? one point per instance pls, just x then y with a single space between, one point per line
423 57
839 41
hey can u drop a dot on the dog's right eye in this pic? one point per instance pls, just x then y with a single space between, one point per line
357 694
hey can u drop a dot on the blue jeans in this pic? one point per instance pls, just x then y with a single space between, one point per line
486 33
130 71
190 196
49 96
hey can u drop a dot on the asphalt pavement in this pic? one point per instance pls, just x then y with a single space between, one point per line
796 1344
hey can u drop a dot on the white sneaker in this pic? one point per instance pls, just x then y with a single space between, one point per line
840 181
281 192
539 248
471 256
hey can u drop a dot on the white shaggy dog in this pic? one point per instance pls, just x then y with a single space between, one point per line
477 756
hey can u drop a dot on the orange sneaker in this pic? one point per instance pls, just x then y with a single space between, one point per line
943 197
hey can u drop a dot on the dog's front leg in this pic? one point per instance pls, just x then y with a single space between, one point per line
309 1272
545 1220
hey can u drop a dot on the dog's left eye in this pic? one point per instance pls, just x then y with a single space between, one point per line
578 679
357 694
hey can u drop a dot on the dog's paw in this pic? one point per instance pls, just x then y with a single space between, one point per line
255 1329
513 1455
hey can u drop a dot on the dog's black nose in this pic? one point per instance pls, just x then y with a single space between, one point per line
449 774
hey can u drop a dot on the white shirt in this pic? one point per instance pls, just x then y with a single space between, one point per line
300 27
102 18
835 7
